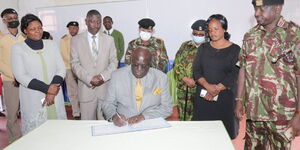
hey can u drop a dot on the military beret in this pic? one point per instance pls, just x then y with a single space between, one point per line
258 3
8 11
199 25
146 23
73 23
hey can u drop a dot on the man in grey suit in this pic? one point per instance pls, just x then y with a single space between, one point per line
93 59
137 92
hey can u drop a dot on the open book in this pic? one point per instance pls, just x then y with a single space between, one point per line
143 125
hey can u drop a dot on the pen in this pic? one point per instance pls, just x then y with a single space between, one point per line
121 118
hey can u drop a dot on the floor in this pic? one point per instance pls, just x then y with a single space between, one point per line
238 142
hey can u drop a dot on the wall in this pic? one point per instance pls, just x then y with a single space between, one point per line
7 4
176 30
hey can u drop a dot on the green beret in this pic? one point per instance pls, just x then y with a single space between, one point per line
146 23
258 3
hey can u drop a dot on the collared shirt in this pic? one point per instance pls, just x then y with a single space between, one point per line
271 61
157 48
65 48
109 31
90 39
7 40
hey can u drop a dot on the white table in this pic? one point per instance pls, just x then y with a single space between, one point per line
76 135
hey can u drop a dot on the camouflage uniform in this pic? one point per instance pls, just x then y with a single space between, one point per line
157 48
271 94
183 68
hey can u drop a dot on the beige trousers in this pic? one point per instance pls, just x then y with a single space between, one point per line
91 110
72 89
12 102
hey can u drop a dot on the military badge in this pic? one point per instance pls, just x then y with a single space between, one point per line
259 3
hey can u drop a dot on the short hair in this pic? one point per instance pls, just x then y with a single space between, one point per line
46 35
223 22
108 17
27 19
92 12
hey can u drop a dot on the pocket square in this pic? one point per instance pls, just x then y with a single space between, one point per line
157 91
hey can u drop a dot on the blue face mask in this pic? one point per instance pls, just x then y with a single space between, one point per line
198 39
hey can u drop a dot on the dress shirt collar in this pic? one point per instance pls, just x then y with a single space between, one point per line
90 35
110 31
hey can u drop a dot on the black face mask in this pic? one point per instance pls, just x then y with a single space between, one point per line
13 24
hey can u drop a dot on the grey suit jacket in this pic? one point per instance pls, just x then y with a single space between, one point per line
85 67
121 97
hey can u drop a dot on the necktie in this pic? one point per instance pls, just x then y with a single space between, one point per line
138 93
108 32
94 46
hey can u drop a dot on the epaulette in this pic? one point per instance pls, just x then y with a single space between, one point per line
64 36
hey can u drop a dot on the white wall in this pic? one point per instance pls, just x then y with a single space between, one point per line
173 17
7 4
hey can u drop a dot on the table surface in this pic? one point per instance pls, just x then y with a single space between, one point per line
76 135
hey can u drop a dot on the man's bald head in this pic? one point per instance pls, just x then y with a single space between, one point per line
141 60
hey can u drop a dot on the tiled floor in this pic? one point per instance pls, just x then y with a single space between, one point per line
238 142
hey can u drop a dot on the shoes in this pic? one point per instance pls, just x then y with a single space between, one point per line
2 114
77 118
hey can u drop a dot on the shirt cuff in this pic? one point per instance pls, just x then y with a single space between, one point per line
57 80
38 85
102 77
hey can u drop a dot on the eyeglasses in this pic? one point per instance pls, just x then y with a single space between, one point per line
10 18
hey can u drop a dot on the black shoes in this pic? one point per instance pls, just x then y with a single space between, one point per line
77 118
2 114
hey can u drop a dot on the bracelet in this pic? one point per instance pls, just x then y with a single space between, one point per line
297 112
238 99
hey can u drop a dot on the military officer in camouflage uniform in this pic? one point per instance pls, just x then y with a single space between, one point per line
155 45
270 78
186 86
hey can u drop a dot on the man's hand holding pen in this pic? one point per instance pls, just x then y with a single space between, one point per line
119 120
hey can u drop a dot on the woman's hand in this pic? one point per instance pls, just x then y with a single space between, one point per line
49 100
212 89
53 89
208 97
189 81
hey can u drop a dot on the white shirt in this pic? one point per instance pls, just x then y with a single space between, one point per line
90 39
110 31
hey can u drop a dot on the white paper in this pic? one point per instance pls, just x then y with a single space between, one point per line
143 125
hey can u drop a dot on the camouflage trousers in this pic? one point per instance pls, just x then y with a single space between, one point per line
181 97
266 135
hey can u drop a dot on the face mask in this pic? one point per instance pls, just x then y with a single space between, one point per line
145 36
198 39
13 24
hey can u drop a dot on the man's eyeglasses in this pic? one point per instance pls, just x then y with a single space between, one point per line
10 18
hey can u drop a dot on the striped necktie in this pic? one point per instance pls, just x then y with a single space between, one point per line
94 46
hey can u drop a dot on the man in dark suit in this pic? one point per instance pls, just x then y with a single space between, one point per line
93 59
137 92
